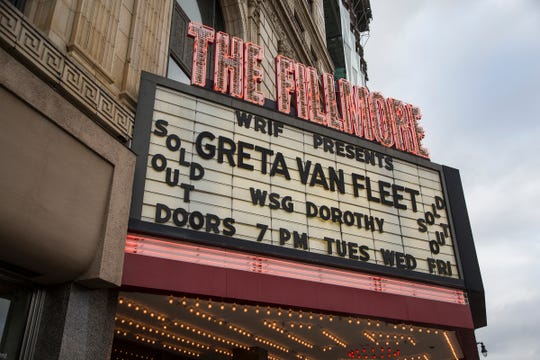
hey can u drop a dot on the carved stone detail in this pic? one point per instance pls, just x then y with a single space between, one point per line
293 43
148 47
254 20
22 40
283 44
94 33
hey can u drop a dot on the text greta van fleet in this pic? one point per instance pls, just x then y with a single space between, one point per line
350 109
208 145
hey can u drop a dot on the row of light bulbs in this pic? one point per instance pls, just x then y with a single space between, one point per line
181 350
334 338
271 343
273 325
144 310
268 311
119 353
417 329
137 338
209 335
300 341
172 347
416 357
385 338
171 336
374 353
144 339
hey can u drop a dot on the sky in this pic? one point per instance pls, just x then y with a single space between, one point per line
473 68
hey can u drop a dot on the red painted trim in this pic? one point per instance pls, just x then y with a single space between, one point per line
157 274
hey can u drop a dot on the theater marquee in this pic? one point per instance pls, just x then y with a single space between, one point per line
218 171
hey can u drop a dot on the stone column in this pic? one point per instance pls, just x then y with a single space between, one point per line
76 323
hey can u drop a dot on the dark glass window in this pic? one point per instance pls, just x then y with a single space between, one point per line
4 308
19 4
14 306
207 12
15 297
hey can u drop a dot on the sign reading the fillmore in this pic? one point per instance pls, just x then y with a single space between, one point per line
223 171
238 72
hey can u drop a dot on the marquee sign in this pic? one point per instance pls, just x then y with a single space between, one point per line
336 177
218 171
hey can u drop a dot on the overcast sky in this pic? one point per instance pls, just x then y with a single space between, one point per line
473 67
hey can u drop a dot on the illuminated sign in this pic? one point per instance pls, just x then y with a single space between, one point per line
222 172
350 109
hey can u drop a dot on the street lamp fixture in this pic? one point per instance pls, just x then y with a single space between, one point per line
483 349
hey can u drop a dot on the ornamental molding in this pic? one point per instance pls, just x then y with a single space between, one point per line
281 14
21 39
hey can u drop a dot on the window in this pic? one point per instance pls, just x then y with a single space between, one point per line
4 308
14 306
19 4
298 22
207 12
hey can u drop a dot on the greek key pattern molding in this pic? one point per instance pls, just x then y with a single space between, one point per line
18 36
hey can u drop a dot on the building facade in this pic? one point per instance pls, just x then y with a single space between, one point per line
148 214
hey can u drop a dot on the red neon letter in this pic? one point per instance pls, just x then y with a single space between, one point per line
228 65
380 121
345 94
361 117
354 109
302 101
253 73
330 102
315 112
405 138
348 109
203 35
285 83
414 115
